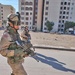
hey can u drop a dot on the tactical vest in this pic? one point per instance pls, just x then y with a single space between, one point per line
15 37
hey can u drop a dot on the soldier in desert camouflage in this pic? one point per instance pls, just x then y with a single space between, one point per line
11 45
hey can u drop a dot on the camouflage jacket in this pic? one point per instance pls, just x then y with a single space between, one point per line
8 41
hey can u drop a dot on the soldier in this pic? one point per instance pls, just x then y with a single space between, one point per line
25 35
11 45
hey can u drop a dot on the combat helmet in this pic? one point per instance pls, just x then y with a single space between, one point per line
14 18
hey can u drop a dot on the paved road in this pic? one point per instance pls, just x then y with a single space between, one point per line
51 62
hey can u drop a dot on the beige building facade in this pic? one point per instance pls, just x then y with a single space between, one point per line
57 11
5 10
31 13
26 8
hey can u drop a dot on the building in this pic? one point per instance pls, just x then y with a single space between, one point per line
67 11
4 11
31 13
57 11
38 14
26 8
51 13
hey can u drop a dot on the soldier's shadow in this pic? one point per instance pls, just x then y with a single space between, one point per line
53 62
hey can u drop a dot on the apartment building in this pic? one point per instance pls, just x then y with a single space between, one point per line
67 11
57 11
31 13
26 8
5 10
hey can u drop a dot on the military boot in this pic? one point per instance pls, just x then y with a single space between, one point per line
12 74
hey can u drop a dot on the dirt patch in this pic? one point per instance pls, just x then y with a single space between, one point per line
53 39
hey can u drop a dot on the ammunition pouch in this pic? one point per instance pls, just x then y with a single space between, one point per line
13 46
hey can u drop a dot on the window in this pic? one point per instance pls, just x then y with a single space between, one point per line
30 8
68 8
36 8
58 25
66 17
35 21
72 8
2 13
64 8
61 8
63 17
62 21
22 22
58 29
45 28
60 12
36 3
22 8
46 8
67 13
61 3
30 18
65 3
59 21
69 3
30 13
22 3
27 13
26 18
35 12
62 30
46 18
2 17
22 18
22 13
26 23
35 17
62 26
60 17
30 22
72 3
26 3
46 13
47 2
27 8
71 12
30 3
63 12
70 17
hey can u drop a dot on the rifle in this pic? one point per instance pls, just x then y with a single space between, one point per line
30 51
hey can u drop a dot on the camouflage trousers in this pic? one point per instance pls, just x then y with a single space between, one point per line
17 67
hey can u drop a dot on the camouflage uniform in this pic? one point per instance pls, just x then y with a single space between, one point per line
13 52
25 36
15 61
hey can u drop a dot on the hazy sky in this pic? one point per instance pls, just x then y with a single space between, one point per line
14 3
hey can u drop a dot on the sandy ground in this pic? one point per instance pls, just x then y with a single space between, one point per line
51 39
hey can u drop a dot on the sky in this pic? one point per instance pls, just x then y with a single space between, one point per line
14 3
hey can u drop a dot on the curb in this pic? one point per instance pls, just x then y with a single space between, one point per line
54 47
